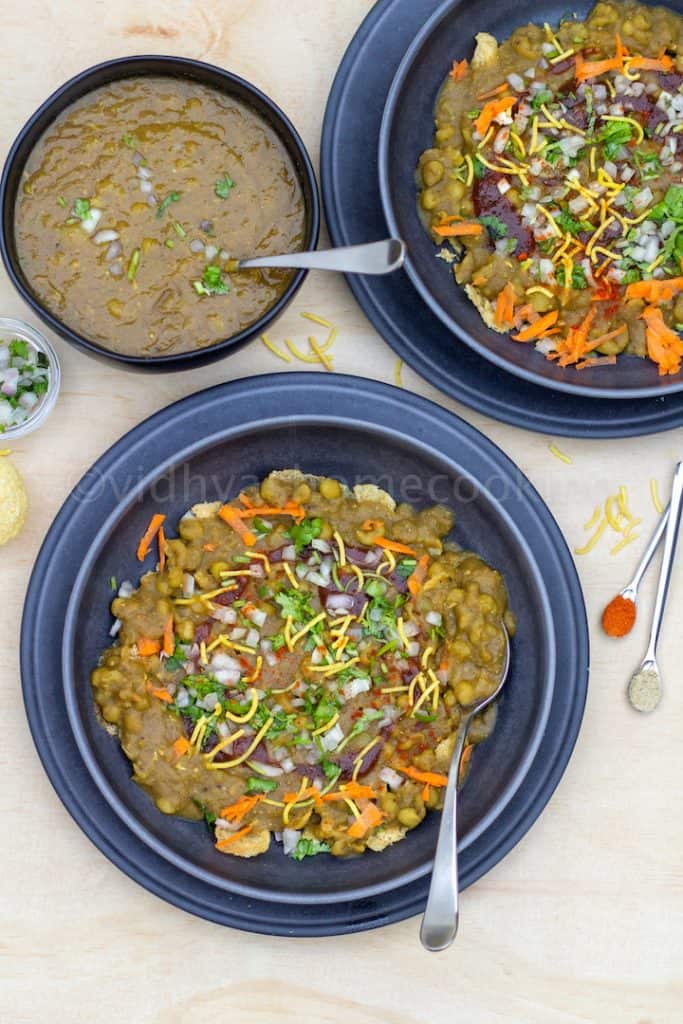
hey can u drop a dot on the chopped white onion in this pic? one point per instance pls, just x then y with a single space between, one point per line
257 616
332 738
114 631
89 223
226 615
188 584
355 687
104 236
126 589
434 618
392 778
290 837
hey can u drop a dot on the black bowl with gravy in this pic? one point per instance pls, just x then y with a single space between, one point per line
130 193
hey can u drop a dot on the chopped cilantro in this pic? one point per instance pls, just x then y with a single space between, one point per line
568 223
304 532
224 186
648 164
177 659
309 848
296 604
631 275
578 277
18 348
375 588
128 140
255 785
332 770
81 208
473 114
277 641
172 197
542 97
406 567
212 282
179 229
61 201
613 136
479 167
495 227
112 583
424 717
260 525
324 711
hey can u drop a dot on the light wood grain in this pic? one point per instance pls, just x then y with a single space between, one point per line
582 922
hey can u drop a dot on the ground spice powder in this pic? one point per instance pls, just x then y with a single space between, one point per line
619 616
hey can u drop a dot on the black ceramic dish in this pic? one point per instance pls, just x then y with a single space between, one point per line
206 446
133 67
354 214
407 130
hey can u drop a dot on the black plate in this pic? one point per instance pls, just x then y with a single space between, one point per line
354 214
133 67
449 35
354 429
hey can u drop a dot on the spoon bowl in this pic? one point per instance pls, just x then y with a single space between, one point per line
374 258
440 920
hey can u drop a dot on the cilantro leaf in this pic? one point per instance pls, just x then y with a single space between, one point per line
324 711
542 97
294 604
224 186
212 282
578 277
568 223
309 848
81 208
332 770
495 227
209 816
613 136
304 532
18 348
256 785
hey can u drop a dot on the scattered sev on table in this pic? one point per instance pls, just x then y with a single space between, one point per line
615 516
318 351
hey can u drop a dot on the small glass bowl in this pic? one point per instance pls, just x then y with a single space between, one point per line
9 329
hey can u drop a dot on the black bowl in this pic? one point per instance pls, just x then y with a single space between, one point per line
211 445
133 67
407 130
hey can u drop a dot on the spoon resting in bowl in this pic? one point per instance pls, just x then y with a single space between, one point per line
440 921
374 258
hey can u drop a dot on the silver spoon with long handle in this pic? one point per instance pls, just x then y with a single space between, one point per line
374 258
440 921
630 591
645 687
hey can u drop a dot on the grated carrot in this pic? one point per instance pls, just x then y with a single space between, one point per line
463 228
664 346
538 328
493 92
492 110
169 639
370 817
417 577
147 647
149 535
459 69
394 545
161 540
223 843
162 695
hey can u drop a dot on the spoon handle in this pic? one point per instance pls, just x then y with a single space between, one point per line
648 554
373 258
440 921
670 539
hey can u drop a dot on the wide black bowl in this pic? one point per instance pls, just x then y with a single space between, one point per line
407 130
211 445
134 67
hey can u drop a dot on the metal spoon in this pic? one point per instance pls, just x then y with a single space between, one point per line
373 258
630 591
440 921
645 688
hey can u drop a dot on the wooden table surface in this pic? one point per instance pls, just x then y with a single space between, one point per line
582 921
